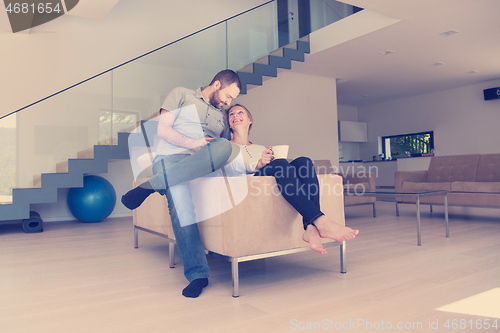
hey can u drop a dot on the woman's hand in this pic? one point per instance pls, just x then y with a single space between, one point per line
267 157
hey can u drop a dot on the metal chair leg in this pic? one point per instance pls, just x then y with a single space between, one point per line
136 238
171 253
342 258
235 276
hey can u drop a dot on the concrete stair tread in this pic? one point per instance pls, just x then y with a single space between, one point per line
247 69
5 200
86 154
62 167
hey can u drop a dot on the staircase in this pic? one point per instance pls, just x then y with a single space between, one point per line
281 58
70 174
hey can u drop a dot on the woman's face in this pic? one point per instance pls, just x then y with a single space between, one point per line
238 117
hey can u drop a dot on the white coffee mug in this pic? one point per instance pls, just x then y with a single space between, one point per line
280 151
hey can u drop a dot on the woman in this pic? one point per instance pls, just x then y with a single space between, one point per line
290 178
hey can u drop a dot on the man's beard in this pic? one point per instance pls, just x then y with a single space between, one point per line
214 101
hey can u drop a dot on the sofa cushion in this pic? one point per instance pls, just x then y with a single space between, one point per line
453 168
410 186
489 168
323 167
475 200
476 187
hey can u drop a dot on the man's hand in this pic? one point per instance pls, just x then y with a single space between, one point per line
203 142
166 132
266 158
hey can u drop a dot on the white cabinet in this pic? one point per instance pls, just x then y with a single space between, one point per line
353 131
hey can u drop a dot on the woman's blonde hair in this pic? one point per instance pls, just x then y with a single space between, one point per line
246 110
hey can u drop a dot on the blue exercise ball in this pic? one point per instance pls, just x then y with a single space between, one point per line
94 201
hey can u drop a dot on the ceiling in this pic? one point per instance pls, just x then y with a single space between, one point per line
423 60
365 76
95 9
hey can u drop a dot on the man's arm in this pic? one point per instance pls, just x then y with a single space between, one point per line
166 132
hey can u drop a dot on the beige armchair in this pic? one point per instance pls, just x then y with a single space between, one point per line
356 184
262 225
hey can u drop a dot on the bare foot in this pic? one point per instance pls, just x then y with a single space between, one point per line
311 235
329 229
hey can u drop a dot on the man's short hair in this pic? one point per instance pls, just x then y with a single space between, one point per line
226 78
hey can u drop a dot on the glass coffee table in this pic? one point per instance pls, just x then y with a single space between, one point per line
407 194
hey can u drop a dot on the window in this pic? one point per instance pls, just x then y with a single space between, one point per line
406 145
111 122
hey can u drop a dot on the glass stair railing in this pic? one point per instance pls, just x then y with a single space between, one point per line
52 143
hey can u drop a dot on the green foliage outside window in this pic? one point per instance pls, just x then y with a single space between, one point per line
414 144
113 122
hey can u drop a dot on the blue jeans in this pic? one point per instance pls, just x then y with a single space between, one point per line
299 185
176 172
186 167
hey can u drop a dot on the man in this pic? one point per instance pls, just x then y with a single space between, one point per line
194 142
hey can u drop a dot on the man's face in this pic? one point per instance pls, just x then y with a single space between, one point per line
224 96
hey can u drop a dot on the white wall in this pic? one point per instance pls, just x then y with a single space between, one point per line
347 112
462 121
69 49
299 110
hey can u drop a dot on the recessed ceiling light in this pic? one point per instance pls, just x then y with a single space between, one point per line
386 52
437 64
449 33
473 72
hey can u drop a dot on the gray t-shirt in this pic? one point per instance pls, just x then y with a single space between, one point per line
195 117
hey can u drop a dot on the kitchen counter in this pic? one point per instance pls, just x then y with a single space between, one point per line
383 170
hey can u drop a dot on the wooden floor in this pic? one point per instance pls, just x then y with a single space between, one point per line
77 277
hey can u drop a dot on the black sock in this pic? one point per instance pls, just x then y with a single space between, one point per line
135 197
195 287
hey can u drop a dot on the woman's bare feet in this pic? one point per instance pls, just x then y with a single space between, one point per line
329 229
311 236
